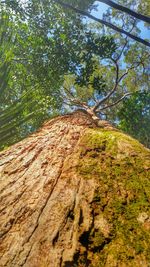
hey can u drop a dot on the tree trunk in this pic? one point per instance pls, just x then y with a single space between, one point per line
74 194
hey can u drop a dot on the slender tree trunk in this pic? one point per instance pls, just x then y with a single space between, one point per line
74 194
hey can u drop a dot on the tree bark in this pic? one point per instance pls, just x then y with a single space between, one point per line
74 194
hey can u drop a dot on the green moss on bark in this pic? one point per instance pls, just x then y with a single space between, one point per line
120 166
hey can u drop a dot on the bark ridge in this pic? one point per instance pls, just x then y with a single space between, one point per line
74 194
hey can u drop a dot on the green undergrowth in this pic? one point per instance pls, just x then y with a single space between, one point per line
119 164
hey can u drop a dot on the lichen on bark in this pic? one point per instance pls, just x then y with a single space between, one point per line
74 194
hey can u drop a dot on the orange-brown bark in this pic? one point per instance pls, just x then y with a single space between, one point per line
47 205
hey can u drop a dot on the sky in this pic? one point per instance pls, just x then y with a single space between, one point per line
145 33
101 8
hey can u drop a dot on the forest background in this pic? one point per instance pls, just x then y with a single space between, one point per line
56 57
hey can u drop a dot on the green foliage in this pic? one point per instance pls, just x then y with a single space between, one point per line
6 50
135 116
52 61
45 46
25 88
101 47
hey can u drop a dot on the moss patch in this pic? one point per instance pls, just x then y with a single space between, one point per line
119 164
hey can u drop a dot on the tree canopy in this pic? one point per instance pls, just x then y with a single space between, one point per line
53 60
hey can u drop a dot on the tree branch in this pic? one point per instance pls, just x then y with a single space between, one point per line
107 24
68 92
115 103
126 10
73 100
123 48
117 81
126 42
131 68
113 90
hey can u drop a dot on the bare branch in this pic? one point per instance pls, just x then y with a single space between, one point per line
123 48
70 93
115 103
73 101
126 42
71 104
95 100
118 80
114 88
131 68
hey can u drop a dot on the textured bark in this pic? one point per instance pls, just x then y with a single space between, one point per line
58 197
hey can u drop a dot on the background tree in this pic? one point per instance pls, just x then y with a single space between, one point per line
132 65
39 61
34 81
60 62
134 116
104 22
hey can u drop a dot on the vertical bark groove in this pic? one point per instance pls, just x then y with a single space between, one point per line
64 196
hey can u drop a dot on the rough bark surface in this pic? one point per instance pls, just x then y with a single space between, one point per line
75 194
